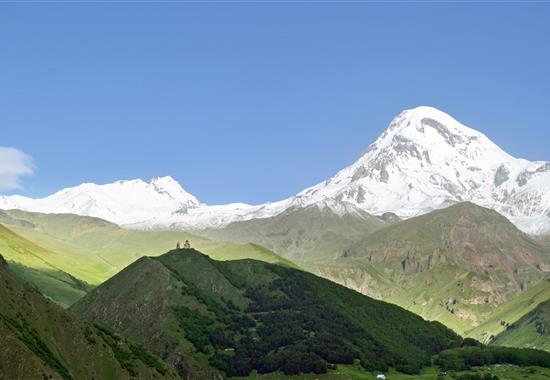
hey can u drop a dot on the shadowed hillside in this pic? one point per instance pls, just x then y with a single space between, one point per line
42 341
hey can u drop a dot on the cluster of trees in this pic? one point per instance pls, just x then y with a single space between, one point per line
286 330
464 358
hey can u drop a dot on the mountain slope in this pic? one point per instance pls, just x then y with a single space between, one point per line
41 340
425 160
315 232
93 249
454 265
244 315
511 311
33 264
530 331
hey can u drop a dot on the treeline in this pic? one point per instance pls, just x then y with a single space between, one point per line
461 359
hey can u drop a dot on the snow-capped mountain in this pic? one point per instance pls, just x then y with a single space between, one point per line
121 202
158 203
425 160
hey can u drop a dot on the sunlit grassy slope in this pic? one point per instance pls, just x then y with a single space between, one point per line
33 264
93 250
530 331
511 312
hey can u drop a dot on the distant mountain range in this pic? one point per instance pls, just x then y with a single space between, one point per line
425 160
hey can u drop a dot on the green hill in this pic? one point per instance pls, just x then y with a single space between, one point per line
40 340
92 249
530 331
455 265
239 316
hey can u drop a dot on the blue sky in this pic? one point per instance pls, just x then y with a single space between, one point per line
254 102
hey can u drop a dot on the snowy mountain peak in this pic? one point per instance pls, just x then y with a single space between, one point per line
423 130
424 160
166 180
171 188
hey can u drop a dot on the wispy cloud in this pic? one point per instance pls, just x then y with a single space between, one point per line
14 164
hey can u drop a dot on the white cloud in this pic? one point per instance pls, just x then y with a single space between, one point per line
14 164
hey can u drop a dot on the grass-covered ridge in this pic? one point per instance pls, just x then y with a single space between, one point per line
240 316
57 253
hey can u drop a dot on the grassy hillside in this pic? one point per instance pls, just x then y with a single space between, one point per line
304 234
511 311
33 264
239 316
455 265
40 340
532 330
93 250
